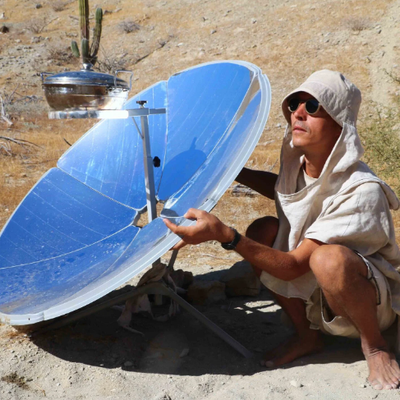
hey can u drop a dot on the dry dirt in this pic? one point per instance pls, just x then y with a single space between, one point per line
95 359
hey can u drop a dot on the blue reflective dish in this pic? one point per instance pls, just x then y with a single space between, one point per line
74 238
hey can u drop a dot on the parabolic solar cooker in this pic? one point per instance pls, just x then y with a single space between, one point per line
181 142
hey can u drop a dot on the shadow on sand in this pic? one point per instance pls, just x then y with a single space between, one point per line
183 345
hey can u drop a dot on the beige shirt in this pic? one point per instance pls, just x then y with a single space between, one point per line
346 205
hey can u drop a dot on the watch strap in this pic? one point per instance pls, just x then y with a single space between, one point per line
232 245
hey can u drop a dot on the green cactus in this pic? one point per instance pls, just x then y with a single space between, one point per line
89 53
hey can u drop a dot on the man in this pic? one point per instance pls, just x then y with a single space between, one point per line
330 257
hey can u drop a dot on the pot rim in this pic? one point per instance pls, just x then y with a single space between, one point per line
85 77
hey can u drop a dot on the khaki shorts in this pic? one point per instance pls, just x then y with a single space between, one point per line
319 314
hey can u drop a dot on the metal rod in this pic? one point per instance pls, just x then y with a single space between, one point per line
208 323
148 170
137 128
172 260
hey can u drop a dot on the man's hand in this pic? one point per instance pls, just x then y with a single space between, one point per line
208 227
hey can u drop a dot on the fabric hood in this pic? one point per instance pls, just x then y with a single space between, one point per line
339 97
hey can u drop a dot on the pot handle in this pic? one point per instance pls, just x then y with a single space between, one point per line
44 74
123 70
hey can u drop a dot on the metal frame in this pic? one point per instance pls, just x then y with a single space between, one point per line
156 288
141 112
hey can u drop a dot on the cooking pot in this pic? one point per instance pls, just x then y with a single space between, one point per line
85 90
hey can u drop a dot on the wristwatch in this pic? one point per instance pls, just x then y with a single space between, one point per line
232 245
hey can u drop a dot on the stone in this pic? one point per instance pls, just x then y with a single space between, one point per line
184 352
4 29
128 364
181 278
240 280
240 190
296 384
206 292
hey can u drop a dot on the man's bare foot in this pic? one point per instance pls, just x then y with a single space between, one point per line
384 372
297 346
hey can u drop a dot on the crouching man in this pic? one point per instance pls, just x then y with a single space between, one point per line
331 256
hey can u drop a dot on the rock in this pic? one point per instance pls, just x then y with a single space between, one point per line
240 280
242 190
184 352
296 384
163 396
182 279
128 364
206 292
4 29
37 6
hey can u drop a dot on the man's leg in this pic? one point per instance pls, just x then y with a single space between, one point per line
306 340
342 276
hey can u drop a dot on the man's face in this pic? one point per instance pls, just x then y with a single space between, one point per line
313 133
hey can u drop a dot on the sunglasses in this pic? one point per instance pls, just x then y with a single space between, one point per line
312 105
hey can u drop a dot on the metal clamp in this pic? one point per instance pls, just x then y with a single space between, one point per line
123 70
44 74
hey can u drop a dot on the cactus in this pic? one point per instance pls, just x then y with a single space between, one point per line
89 53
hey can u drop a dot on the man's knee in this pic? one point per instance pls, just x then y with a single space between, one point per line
263 230
335 264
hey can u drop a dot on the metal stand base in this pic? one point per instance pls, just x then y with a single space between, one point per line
156 288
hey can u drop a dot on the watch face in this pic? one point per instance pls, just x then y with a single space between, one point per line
228 246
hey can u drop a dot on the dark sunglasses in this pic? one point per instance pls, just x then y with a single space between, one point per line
312 105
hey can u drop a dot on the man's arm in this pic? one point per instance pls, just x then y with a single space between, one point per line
262 182
282 265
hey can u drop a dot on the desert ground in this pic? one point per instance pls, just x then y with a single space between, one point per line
94 358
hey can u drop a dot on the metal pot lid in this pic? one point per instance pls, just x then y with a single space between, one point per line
86 77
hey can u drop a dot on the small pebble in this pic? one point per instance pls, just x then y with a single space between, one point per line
296 384
184 352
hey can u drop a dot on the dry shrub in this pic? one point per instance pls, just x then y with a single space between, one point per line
109 62
27 107
37 25
60 55
357 24
59 5
382 146
128 26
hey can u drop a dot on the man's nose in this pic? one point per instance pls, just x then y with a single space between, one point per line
301 112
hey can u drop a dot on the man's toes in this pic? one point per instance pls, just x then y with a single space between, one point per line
376 385
390 386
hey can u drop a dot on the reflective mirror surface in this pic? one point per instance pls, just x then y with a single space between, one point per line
73 238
